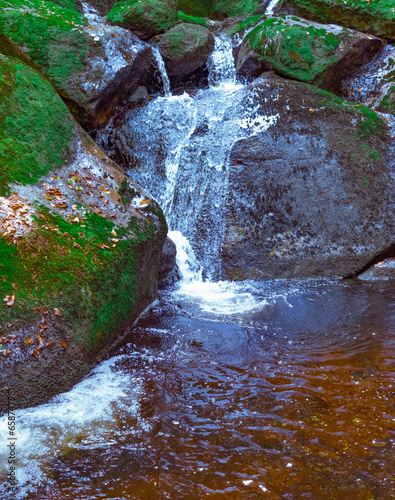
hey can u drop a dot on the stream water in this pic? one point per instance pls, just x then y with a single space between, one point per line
223 390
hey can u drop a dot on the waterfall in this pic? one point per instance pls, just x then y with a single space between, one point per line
162 70
221 63
270 8
180 146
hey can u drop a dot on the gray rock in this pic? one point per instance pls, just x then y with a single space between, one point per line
313 194
383 270
168 272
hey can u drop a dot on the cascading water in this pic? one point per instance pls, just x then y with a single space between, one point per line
180 146
270 8
162 70
221 65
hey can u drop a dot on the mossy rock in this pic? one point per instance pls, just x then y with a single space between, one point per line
185 48
376 17
145 18
303 50
219 9
90 66
80 243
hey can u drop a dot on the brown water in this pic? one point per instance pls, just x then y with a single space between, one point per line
293 399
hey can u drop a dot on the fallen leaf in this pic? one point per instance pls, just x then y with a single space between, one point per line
103 246
9 300
4 340
114 233
6 352
144 202
41 343
10 325
29 341
63 343
36 353
57 311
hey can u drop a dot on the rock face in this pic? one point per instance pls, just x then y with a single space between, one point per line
313 194
92 66
145 18
185 48
373 17
322 55
80 243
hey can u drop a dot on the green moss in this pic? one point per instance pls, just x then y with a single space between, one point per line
296 49
191 19
376 16
230 8
145 17
35 127
48 267
247 23
369 128
387 104
49 33
66 4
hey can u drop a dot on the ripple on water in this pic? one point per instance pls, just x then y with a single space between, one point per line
293 401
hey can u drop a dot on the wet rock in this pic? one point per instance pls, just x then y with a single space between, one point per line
311 191
185 48
80 242
322 55
383 270
376 18
169 272
145 18
93 66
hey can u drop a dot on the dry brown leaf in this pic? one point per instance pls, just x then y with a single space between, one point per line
63 343
57 311
9 300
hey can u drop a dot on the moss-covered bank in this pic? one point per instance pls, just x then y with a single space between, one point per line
375 16
80 244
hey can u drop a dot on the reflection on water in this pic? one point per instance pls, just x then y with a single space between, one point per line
293 399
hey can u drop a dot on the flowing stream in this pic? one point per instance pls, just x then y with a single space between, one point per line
223 390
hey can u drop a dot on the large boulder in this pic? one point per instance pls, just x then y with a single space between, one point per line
92 66
185 48
80 243
322 55
312 195
145 18
375 17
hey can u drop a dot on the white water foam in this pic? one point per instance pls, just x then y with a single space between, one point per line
80 418
221 63
219 298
